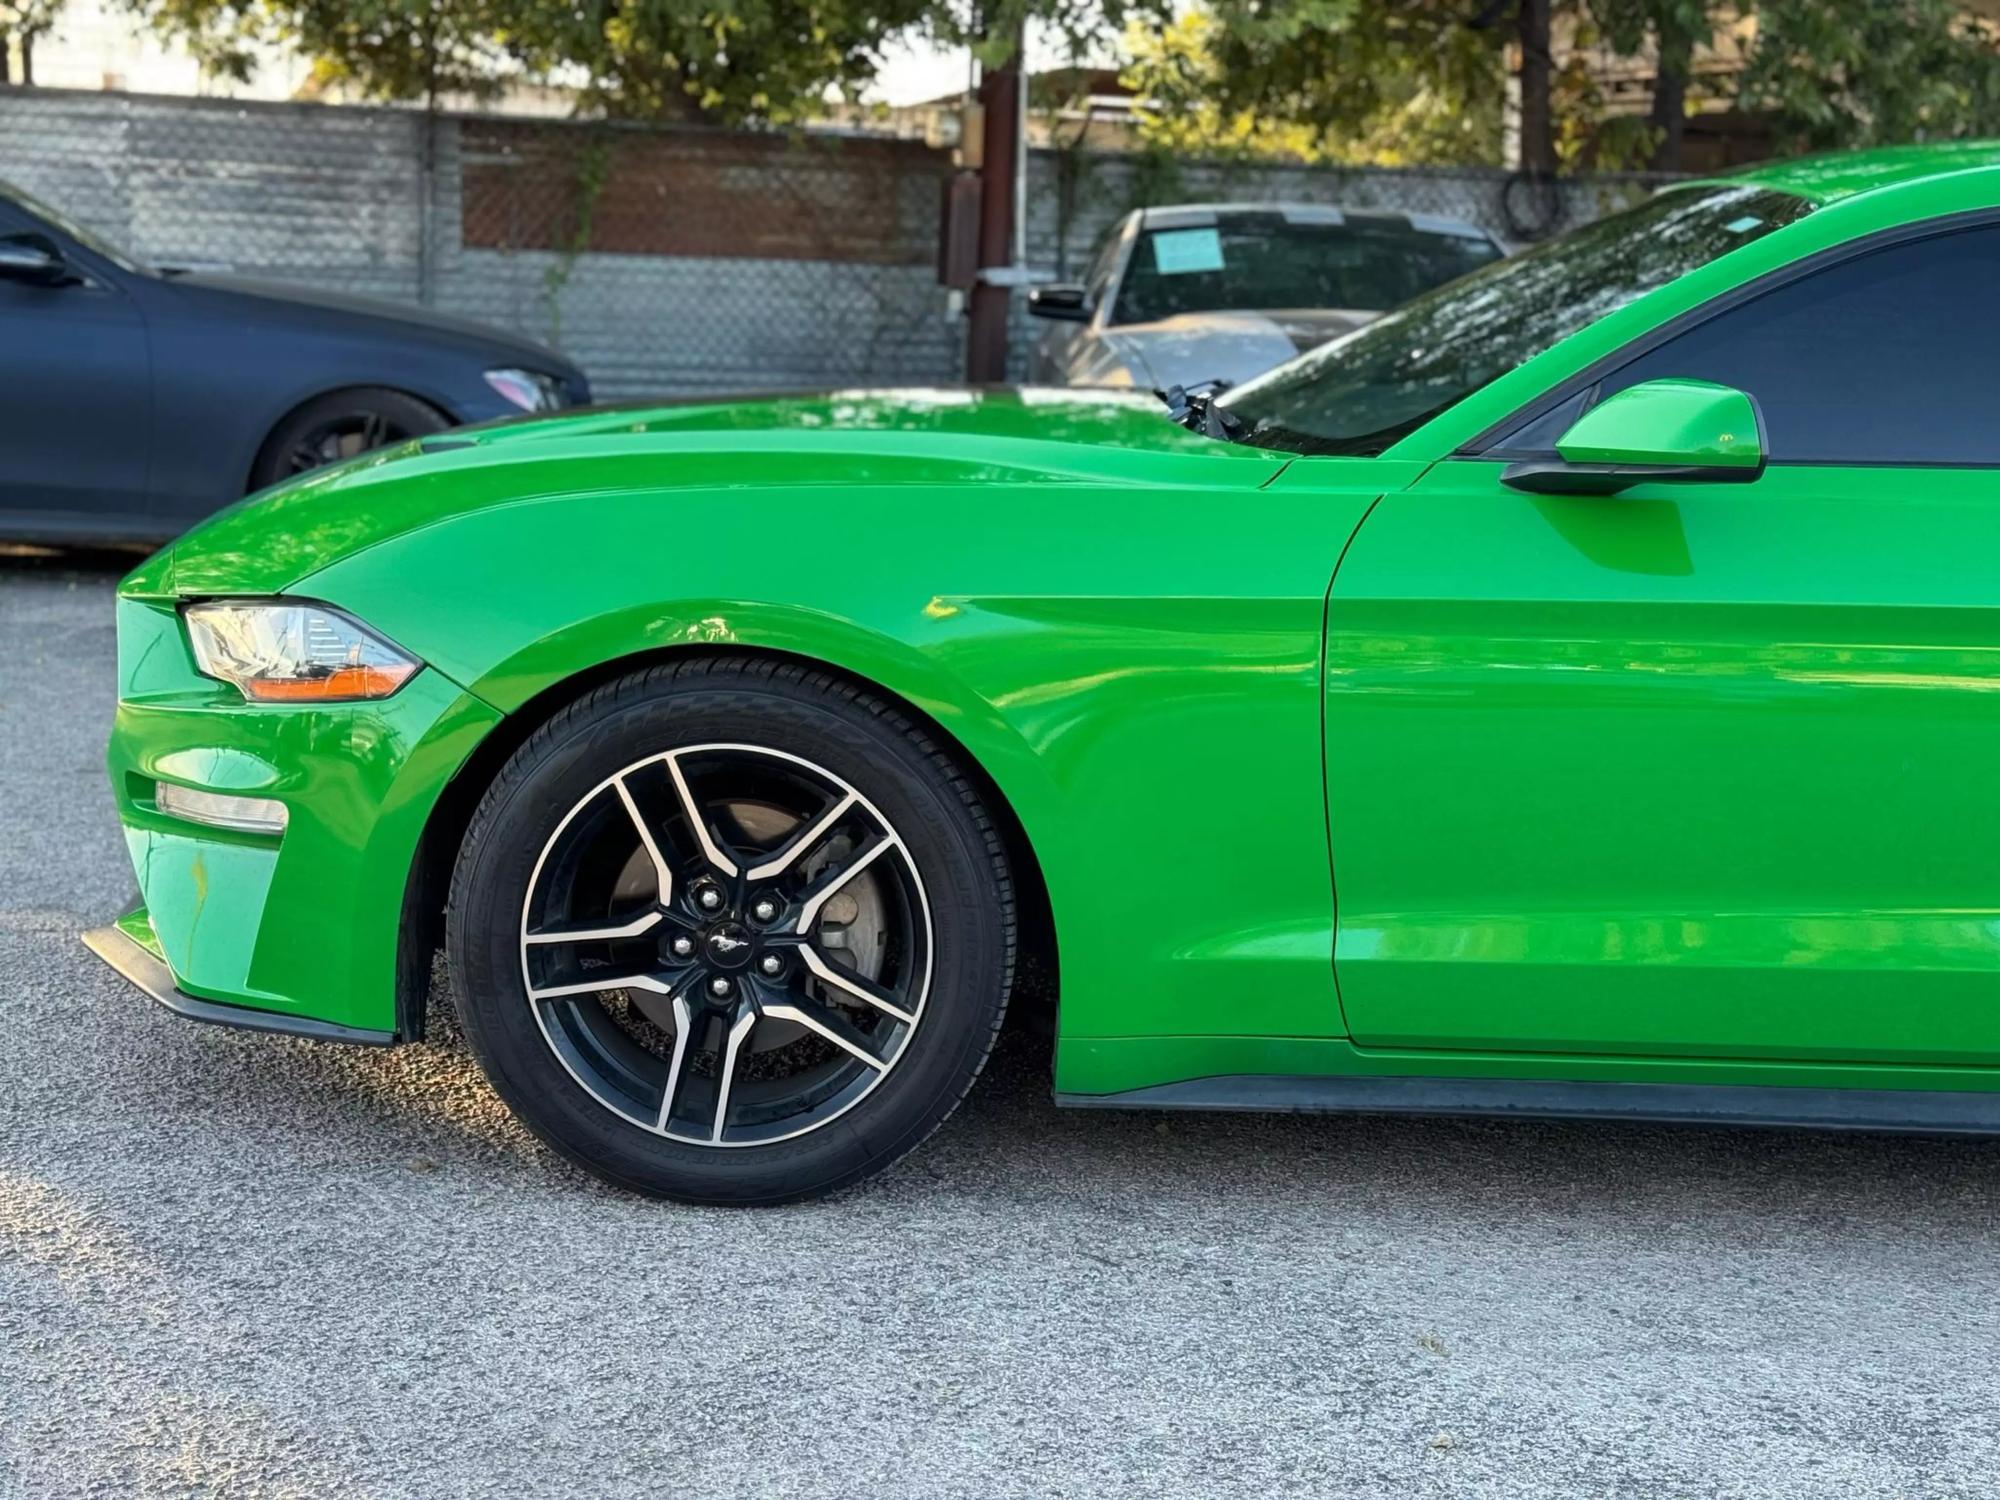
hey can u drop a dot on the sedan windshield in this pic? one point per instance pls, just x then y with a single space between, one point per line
70 227
1266 261
1362 393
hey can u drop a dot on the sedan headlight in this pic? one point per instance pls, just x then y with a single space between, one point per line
530 390
281 652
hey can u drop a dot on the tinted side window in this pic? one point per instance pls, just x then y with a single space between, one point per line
1890 358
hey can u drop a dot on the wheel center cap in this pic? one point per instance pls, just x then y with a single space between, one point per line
728 945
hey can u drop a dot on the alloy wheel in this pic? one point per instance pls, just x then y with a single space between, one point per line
341 437
726 944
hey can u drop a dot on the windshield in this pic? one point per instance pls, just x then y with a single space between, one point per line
1362 393
1253 261
68 226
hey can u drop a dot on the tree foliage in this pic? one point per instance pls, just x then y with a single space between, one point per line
1836 73
727 60
1397 81
1388 82
1382 81
25 22
1673 31
731 59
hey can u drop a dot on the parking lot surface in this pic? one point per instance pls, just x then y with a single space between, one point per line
234 1264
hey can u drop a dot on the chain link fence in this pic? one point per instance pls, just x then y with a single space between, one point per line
691 260
664 260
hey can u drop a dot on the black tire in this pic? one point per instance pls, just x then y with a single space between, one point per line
339 425
950 842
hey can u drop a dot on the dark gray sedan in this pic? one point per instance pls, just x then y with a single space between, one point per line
136 400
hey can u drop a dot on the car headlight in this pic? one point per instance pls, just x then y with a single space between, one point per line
282 652
529 389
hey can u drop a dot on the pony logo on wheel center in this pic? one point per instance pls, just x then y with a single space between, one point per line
729 946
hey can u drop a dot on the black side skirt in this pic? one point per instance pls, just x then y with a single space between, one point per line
1919 1111
157 980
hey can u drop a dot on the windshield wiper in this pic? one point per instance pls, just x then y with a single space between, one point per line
1194 408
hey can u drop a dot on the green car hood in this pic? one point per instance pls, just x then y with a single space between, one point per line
275 541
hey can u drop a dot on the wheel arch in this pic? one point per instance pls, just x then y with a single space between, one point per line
429 878
277 423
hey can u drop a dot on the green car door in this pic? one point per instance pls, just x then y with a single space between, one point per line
1697 768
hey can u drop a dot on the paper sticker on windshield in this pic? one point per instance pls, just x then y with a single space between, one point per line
1176 252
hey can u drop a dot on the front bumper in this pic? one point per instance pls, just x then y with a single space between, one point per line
126 947
303 927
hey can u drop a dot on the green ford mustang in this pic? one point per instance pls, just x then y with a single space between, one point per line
1576 693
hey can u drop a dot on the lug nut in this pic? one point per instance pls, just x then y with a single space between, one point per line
772 965
718 987
708 897
683 946
765 909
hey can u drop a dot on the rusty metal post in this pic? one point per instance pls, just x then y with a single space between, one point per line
999 158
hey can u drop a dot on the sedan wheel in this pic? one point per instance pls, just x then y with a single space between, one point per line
341 425
740 901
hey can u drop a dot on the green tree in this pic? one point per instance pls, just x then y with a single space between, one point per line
23 23
732 59
1423 80
1672 32
1385 82
1834 73
725 60
1388 82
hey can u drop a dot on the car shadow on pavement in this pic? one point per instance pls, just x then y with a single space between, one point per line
104 564
428 1108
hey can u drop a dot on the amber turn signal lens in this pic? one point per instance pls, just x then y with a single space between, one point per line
342 683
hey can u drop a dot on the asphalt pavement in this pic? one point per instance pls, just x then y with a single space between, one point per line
246 1266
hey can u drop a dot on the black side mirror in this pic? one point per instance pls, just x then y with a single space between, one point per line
35 259
1065 303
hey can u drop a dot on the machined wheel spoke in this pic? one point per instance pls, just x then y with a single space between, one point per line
643 923
803 840
677 1066
732 954
651 982
662 875
725 1071
865 990
818 1019
710 850
832 880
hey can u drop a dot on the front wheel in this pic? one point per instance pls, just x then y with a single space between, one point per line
731 930
340 426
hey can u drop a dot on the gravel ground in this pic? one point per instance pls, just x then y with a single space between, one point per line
249 1266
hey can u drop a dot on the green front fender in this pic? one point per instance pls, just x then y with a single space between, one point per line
1144 694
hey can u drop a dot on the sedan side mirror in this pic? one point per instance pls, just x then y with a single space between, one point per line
1658 432
1064 302
33 258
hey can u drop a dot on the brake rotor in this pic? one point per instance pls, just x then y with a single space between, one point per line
853 923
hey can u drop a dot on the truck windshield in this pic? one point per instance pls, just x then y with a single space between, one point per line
1266 262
